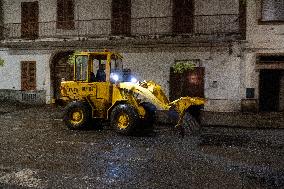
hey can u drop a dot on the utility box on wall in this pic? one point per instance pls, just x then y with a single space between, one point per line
250 93
249 104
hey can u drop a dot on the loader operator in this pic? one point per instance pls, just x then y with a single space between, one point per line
101 75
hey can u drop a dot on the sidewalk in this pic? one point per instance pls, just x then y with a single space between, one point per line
239 119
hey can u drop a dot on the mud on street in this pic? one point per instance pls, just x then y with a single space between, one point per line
38 151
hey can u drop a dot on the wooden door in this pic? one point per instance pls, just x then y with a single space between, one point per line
269 87
28 75
29 24
189 83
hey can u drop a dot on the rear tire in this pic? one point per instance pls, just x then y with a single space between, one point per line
124 119
77 115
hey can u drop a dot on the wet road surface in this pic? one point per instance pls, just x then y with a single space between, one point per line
38 151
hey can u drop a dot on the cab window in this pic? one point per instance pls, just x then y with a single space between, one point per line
81 68
116 65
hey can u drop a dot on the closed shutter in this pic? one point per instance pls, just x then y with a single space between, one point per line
183 16
65 14
121 17
28 75
29 23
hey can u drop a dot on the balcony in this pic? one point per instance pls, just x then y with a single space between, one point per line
206 27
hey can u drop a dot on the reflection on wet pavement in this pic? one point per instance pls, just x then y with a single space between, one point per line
38 151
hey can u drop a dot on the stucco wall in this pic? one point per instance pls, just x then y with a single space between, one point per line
262 34
83 10
87 11
262 38
219 65
10 73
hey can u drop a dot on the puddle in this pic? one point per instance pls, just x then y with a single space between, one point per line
263 177
25 178
224 140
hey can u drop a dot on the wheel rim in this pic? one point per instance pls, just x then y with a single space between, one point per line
123 121
76 116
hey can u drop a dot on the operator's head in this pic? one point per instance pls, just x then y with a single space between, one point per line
101 66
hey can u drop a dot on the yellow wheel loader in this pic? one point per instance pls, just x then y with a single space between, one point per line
103 90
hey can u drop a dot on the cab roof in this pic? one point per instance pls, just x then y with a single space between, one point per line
100 53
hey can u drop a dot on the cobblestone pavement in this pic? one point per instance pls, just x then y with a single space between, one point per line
38 151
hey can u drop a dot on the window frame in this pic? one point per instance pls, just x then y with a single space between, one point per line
81 74
262 21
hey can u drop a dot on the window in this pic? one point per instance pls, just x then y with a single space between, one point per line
65 14
81 68
183 16
29 20
121 17
1 15
28 75
272 10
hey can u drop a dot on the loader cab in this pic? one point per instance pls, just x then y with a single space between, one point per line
97 67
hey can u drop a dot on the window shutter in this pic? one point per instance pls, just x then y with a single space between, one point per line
70 10
28 75
60 10
65 14
183 16
29 20
121 17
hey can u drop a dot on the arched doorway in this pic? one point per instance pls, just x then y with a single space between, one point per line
60 68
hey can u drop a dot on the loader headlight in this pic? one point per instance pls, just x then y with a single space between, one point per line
133 80
114 77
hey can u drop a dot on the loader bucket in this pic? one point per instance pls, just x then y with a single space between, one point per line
186 120
154 93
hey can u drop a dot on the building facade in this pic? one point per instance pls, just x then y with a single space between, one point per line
263 60
225 39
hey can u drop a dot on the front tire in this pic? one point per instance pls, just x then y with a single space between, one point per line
124 119
150 115
77 115
190 124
